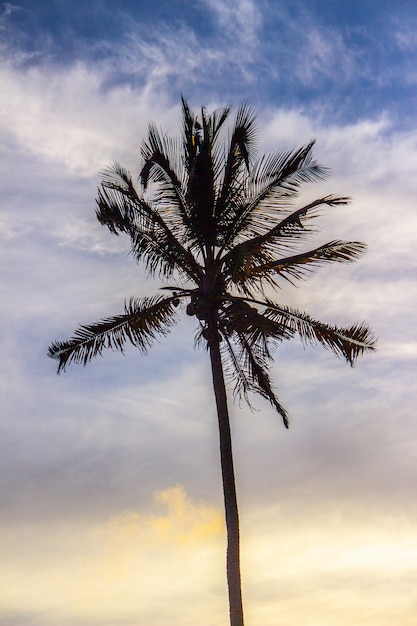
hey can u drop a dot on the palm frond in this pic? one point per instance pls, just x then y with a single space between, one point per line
245 134
277 224
296 220
160 158
118 177
249 335
261 249
119 202
299 265
161 164
274 181
123 210
141 322
190 134
218 118
115 211
240 153
249 370
259 374
286 168
348 342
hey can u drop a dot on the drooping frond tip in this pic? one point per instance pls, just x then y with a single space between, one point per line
348 342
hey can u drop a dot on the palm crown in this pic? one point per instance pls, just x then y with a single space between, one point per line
220 224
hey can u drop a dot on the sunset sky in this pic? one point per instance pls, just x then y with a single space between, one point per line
112 511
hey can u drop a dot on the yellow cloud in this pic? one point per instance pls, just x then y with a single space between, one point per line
161 567
184 523
166 565
172 539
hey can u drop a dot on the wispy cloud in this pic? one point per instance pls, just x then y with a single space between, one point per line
9 8
406 35
323 55
240 21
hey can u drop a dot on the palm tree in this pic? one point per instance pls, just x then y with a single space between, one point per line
220 225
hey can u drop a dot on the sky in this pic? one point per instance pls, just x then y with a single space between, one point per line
110 476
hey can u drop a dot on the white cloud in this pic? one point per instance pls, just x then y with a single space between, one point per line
69 117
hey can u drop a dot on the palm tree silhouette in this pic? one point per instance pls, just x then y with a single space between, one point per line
219 225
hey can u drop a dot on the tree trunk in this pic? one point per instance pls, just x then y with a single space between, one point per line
229 488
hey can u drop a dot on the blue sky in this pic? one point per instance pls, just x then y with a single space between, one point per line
354 58
112 508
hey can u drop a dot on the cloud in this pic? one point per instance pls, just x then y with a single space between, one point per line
165 561
405 34
9 8
185 524
323 54
70 115
135 567
235 50
185 59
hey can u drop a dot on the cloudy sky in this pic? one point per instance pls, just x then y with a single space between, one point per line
111 491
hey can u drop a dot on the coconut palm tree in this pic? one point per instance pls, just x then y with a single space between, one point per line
222 228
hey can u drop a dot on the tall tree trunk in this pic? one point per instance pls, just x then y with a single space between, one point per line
229 488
